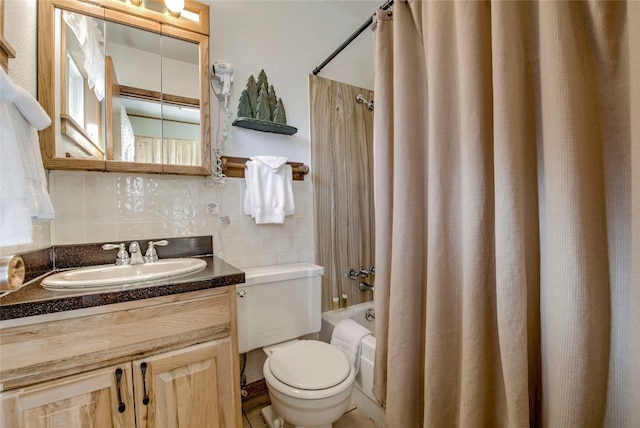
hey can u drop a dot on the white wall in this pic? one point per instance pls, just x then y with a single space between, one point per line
287 39
169 76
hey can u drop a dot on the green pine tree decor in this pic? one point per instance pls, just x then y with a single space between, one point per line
260 109
262 79
244 105
279 114
272 101
252 92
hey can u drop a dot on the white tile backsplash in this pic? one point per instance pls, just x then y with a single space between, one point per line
69 210
108 207
99 210
99 232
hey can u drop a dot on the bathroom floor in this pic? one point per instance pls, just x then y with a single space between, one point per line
257 397
353 418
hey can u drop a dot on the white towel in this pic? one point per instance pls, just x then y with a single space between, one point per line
347 336
23 191
269 192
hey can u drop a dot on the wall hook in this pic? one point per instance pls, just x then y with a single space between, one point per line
362 100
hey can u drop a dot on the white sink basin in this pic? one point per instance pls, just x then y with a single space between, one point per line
109 275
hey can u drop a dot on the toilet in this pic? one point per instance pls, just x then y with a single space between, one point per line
309 381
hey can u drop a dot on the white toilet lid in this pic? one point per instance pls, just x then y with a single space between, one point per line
310 365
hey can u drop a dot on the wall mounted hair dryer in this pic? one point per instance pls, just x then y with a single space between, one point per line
222 79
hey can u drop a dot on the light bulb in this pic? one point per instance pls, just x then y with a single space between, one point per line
174 6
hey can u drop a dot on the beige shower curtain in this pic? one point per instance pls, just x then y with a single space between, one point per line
507 206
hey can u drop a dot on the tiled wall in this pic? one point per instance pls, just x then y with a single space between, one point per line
106 207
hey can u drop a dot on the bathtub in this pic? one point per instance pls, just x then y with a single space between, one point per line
362 395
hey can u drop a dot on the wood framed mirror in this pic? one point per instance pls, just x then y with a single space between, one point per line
126 86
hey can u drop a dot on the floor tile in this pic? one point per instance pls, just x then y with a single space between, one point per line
253 419
353 418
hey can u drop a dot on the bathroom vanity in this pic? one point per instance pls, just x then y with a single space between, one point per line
159 354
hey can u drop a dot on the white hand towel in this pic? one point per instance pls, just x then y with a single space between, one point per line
15 217
273 162
23 192
269 189
28 106
31 109
347 336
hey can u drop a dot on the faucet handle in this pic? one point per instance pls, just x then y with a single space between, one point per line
363 272
351 274
122 258
151 255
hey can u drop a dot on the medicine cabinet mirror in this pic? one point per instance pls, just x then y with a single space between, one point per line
126 86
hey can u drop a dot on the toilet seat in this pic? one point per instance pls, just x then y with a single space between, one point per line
309 365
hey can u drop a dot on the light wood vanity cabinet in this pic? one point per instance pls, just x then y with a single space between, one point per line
96 367
87 400
180 386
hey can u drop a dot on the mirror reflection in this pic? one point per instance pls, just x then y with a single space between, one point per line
82 84
126 90
143 72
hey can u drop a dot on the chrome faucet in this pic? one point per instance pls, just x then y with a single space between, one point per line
365 287
136 258
122 258
151 255
363 273
136 254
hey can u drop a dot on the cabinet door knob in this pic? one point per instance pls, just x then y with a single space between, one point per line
121 405
145 398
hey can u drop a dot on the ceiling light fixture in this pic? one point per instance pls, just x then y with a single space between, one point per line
175 7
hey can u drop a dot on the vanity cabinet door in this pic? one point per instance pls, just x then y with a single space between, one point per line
190 387
96 399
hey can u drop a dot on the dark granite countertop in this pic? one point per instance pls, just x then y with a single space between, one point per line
32 299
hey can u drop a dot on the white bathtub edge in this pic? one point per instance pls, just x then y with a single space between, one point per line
362 396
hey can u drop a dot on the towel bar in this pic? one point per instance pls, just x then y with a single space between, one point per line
234 167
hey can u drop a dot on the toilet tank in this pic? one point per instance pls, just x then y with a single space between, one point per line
278 303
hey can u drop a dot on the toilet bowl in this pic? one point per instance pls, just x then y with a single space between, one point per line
309 383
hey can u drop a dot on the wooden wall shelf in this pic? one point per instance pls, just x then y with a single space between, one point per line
234 167
264 126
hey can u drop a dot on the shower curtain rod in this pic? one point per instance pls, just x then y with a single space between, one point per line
351 38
